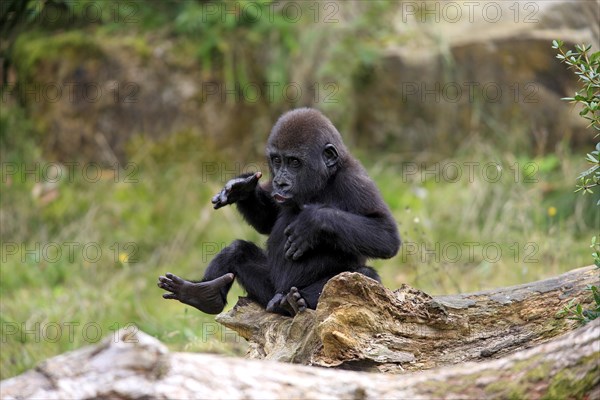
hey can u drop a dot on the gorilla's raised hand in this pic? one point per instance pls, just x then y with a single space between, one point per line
303 232
236 189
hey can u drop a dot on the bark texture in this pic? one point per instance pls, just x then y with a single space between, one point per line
504 343
359 324
138 366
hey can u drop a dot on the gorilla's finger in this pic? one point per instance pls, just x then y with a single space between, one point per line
297 255
217 200
253 178
300 250
223 198
290 240
170 296
290 252
166 286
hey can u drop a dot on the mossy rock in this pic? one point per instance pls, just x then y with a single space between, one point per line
34 52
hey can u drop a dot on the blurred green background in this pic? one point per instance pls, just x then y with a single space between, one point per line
120 120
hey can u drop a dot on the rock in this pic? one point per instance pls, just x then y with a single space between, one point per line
91 96
438 82
502 84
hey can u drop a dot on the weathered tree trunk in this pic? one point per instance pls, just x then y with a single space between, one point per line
358 324
139 366
361 325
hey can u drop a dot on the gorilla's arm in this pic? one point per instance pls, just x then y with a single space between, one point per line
373 236
259 210
253 201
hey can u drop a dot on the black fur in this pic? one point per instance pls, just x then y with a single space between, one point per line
322 212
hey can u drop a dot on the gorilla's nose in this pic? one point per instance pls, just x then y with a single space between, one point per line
281 185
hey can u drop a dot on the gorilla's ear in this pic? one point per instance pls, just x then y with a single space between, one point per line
330 155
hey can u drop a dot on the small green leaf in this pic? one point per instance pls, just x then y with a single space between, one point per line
587 173
590 157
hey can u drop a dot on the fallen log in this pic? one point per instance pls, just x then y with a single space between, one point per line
500 343
139 366
361 325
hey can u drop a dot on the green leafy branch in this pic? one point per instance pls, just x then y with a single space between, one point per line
586 65
595 246
590 177
576 312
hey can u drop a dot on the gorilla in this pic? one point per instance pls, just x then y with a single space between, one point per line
323 215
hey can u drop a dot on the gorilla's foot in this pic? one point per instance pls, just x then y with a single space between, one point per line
205 296
274 304
293 302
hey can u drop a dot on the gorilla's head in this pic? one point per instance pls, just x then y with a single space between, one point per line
304 151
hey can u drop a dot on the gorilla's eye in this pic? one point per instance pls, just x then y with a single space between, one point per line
294 162
276 160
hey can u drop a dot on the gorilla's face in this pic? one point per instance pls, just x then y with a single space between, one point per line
300 172
304 151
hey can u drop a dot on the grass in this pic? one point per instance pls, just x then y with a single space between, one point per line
77 267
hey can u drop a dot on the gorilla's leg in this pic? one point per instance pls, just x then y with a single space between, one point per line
311 293
244 260
296 301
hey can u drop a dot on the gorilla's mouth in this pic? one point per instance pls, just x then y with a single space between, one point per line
281 198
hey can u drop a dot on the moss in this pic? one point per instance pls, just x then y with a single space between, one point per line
569 384
506 390
553 327
31 48
565 384
466 386
136 44
183 145
139 45
526 373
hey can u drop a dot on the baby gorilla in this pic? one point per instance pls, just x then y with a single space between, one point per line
323 215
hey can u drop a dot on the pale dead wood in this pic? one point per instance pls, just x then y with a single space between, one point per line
139 366
358 324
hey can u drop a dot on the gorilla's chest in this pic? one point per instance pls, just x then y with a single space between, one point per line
277 238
